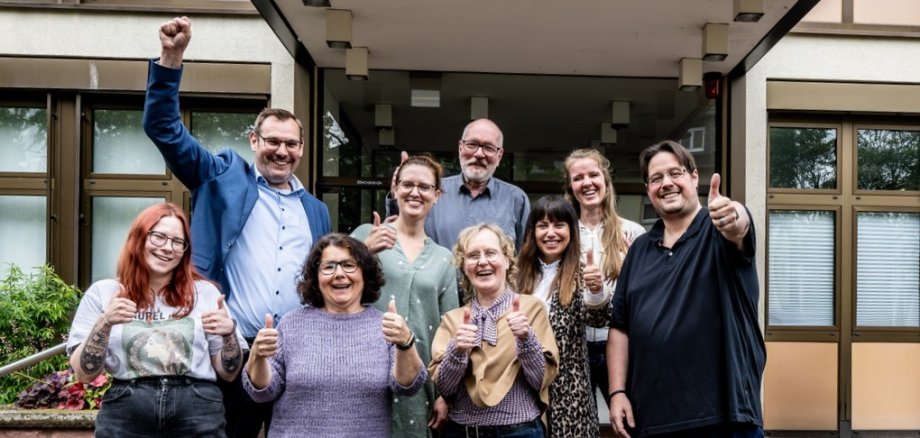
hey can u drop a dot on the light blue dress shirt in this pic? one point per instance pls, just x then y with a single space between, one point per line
265 262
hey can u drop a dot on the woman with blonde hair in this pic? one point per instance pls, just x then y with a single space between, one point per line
495 358
603 234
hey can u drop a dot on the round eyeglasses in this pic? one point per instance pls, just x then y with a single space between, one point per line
159 239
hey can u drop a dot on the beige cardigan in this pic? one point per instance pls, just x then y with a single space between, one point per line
494 369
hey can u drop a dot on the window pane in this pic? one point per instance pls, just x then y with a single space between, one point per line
217 131
112 216
23 140
120 145
888 159
539 167
801 268
23 232
888 269
803 158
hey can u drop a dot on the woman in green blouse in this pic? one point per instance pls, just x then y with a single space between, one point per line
420 275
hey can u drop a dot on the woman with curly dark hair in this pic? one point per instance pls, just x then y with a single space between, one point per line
329 367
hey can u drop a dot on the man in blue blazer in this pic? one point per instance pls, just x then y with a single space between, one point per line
252 225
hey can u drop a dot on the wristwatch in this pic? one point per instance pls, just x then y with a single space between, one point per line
408 343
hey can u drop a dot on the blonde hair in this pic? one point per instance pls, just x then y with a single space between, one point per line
507 248
613 240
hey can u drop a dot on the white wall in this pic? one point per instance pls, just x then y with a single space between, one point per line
63 33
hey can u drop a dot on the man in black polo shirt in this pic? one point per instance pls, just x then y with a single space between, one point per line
685 350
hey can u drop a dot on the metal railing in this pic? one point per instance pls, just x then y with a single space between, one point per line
33 359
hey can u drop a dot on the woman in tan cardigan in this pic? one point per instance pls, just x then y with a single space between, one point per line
493 359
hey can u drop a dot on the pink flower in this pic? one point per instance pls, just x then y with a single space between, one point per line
99 381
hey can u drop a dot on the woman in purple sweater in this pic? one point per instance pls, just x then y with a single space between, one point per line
332 366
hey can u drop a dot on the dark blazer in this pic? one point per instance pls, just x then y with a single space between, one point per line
223 185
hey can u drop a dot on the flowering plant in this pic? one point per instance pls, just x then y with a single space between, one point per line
62 390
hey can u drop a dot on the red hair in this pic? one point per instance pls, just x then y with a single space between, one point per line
133 273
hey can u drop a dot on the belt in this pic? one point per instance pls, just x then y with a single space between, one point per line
491 431
160 380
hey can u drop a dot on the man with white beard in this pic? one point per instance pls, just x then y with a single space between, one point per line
475 196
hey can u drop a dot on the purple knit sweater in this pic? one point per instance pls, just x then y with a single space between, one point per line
331 376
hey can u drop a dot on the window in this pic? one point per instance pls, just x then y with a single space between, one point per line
801 274
803 158
888 159
23 187
842 232
888 269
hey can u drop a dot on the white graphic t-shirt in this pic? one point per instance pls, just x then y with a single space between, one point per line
154 344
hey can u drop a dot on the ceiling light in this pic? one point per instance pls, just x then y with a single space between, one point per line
386 137
316 3
619 114
425 89
383 117
608 134
715 42
748 11
690 77
338 28
356 63
479 108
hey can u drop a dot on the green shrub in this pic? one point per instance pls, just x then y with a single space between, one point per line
35 314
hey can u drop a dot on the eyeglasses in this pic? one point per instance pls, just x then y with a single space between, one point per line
408 186
159 239
348 266
275 143
658 178
490 255
488 149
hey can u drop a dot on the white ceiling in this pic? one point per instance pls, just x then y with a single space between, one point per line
549 68
644 38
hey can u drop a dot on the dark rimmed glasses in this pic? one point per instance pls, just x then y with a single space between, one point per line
159 239
348 266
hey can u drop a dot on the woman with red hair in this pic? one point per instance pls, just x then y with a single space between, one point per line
162 331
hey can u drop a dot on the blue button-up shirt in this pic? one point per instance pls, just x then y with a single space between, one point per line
264 264
501 203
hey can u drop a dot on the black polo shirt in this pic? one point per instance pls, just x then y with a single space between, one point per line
696 353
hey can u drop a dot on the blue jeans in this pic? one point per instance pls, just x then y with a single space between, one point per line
244 417
161 407
533 429
597 366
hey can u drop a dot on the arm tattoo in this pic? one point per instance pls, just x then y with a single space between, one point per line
230 355
93 357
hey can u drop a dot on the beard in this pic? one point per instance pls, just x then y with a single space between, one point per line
479 174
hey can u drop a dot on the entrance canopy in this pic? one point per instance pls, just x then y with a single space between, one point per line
548 72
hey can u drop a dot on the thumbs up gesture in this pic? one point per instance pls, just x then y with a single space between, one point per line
592 273
120 310
381 237
518 322
218 321
266 343
728 216
395 329
466 337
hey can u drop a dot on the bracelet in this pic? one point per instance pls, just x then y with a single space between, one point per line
615 392
234 328
408 343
